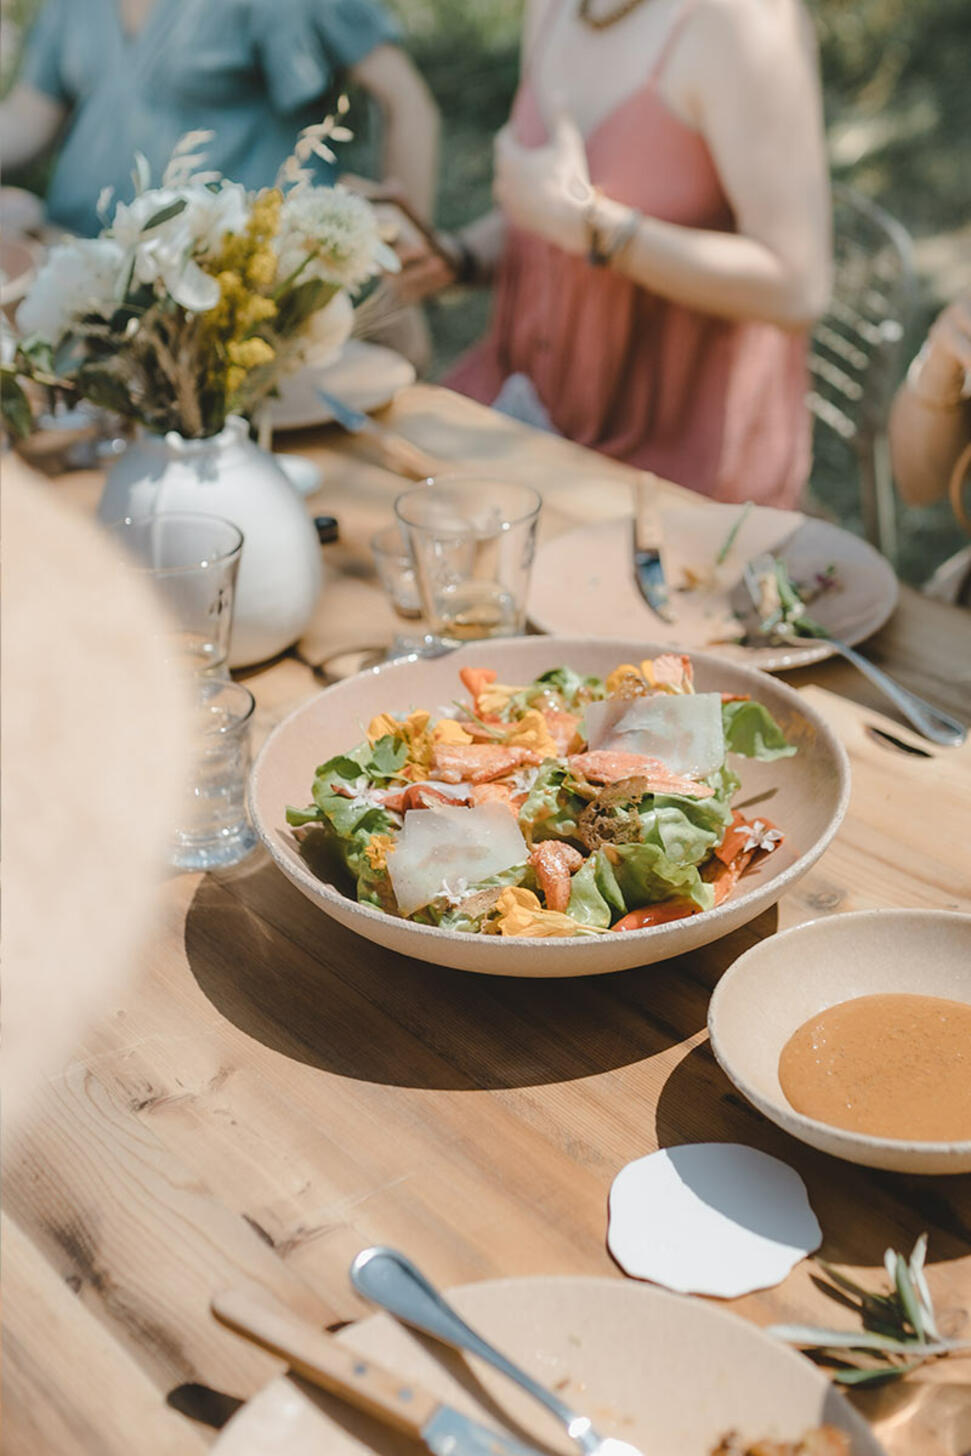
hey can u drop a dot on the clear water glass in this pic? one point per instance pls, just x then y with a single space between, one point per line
192 561
214 828
472 541
396 571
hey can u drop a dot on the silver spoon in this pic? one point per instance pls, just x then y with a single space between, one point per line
933 723
389 1279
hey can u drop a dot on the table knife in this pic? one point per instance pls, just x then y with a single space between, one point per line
357 1379
400 454
649 568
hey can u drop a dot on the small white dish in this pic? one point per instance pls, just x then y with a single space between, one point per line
366 377
775 987
710 1218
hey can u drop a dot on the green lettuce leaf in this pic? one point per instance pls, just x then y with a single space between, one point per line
567 688
750 729
551 808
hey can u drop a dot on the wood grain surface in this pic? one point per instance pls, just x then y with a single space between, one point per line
272 1093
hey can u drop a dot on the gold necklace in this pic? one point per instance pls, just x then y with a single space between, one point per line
602 22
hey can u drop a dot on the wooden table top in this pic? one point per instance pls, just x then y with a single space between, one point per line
273 1094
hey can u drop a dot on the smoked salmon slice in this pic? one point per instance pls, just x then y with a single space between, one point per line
477 763
606 766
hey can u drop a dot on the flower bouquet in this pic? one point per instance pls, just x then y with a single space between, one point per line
198 295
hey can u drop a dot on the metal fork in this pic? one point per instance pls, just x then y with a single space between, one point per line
389 1279
933 723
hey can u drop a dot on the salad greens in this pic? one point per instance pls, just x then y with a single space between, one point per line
518 816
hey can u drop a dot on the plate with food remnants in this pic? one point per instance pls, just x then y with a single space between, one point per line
825 582
532 806
665 1374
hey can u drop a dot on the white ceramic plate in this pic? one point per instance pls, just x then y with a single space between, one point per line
668 1374
781 982
583 581
807 799
366 377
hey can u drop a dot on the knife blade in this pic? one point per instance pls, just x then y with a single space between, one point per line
359 1380
398 453
450 1433
648 565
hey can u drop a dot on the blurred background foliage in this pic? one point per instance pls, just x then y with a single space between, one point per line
897 86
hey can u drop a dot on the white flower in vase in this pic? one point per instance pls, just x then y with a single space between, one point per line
193 221
79 278
330 234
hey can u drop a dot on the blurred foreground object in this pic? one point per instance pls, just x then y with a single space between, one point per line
930 435
855 351
95 750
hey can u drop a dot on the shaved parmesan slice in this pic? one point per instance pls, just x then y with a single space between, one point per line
451 844
683 730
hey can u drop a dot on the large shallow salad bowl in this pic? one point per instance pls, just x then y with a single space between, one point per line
805 796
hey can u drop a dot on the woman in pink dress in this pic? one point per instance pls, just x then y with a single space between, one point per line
662 237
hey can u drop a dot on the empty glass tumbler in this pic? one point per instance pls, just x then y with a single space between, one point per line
192 560
213 825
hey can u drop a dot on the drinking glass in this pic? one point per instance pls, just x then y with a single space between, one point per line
472 541
213 826
192 561
396 571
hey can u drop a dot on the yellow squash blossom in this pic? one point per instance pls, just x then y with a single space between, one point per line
407 728
493 699
447 730
419 739
532 731
376 850
520 913
623 679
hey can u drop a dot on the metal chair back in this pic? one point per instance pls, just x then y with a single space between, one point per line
855 351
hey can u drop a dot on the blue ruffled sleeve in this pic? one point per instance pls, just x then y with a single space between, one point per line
41 64
304 45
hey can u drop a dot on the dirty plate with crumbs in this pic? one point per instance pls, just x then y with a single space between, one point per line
672 1376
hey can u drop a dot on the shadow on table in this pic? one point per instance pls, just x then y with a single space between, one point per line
311 989
862 1211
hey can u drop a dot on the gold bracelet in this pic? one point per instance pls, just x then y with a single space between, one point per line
602 250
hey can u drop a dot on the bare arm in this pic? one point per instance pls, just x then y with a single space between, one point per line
29 122
930 422
410 124
755 95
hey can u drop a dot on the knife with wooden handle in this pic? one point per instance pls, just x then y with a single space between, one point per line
399 454
648 565
334 1367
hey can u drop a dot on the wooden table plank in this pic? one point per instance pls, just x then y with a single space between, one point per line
274 1093
139 1236
69 1387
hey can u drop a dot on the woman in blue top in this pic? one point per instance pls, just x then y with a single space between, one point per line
135 75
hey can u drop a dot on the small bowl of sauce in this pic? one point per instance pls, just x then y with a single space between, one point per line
853 1034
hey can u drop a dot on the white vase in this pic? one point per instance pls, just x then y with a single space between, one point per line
280 572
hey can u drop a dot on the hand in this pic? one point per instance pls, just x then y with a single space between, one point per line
544 190
946 363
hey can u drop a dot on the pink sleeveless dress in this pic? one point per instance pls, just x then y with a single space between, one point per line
716 405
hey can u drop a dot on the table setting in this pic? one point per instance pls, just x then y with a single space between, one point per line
411 1019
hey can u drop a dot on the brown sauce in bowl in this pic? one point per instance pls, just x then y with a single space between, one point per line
894 1066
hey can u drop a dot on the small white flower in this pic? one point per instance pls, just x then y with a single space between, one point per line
453 894
83 276
331 234
760 836
166 253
